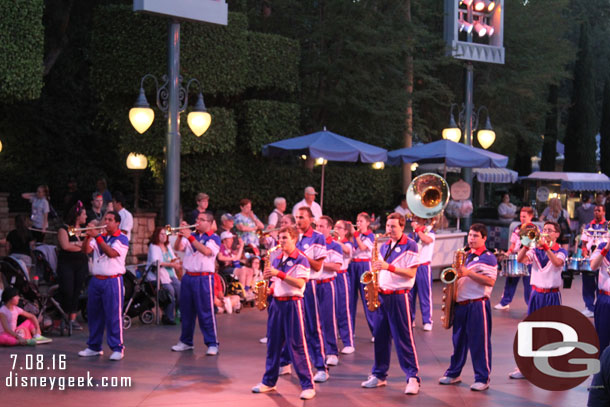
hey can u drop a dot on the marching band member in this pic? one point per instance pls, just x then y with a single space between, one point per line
361 263
397 265
601 260
590 238
526 215
286 324
472 319
325 290
106 292
313 246
547 264
197 286
424 236
342 287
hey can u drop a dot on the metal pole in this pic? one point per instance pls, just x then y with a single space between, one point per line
468 106
172 155
322 188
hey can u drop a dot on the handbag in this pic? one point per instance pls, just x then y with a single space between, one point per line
564 225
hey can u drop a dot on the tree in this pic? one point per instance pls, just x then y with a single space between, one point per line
549 147
604 131
579 141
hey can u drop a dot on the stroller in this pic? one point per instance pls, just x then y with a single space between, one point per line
38 297
141 296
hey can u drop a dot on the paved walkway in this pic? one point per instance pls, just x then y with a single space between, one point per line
160 377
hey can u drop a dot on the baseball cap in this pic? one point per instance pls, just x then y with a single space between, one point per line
226 235
310 190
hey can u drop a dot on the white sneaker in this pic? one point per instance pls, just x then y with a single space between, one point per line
181 347
308 394
412 386
321 376
285 370
348 350
587 313
212 351
263 340
117 356
427 327
373 382
516 374
479 386
449 380
262 388
332 360
500 306
87 353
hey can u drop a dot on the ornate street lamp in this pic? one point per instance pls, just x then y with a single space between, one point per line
137 163
486 135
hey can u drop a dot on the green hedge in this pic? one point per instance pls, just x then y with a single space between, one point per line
266 121
21 49
273 62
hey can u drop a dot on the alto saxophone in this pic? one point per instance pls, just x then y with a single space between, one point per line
449 276
260 288
371 280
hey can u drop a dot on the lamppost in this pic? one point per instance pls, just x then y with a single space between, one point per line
486 135
137 163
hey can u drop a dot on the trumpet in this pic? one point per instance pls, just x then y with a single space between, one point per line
530 236
73 230
264 233
52 232
169 229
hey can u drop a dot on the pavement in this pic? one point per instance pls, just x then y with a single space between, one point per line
159 377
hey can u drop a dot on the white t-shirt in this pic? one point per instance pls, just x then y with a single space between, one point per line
126 222
11 316
315 208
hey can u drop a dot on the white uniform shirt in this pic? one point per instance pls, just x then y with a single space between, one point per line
544 273
313 245
347 257
197 262
110 266
481 262
403 255
334 254
295 265
603 282
426 250
368 238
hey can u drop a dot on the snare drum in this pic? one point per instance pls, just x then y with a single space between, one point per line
573 264
585 268
512 268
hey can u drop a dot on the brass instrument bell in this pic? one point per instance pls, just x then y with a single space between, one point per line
427 195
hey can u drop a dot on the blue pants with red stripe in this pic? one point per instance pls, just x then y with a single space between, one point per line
325 293
105 309
286 330
589 289
313 330
344 319
394 322
422 289
601 317
541 300
197 301
355 271
511 286
472 331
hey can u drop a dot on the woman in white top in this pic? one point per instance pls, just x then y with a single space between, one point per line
506 210
170 270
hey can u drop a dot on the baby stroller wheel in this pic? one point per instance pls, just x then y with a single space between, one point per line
126 322
147 317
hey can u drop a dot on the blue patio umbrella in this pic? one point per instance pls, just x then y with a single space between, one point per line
449 153
329 146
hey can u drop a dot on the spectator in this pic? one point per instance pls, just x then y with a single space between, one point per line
228 259
102 189
28 332
203 201
555 213
246 274
600 199
72 263
278 212
247 223
96 213
507 210
584 213
40 210
169 270
118 203
20 241
309 201
403 208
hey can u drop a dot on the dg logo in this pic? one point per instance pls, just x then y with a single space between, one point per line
556 348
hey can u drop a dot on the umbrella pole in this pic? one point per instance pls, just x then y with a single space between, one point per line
322 189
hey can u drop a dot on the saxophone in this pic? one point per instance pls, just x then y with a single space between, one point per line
449 276
371 280
260 288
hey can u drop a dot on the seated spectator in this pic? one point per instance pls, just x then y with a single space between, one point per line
403 208
229 259
169 271
246 274
28 332
21 241
247 223
224 303
506 210
96 212
203 200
